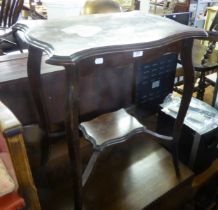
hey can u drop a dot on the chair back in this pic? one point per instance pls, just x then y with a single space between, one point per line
10 11
211 43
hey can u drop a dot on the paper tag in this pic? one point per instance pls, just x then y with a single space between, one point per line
137 54
99 61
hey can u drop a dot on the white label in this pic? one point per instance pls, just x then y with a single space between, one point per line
137 54
99 61
155 84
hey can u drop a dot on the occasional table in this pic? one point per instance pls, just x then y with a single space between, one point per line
101 55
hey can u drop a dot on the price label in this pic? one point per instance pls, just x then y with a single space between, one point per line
99 61
137 54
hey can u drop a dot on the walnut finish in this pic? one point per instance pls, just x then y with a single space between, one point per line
111 127
97 49
80 37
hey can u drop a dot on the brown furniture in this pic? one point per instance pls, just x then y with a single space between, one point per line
96 52
9 13
205 74
205 59
209 62
138 175
215 97
11 129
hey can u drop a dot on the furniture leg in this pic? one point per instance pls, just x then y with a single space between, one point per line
186 56
33 71
89 167
72 133
23 171
201 86
215 94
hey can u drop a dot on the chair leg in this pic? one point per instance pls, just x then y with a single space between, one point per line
46 149
175 158
48 140
201 87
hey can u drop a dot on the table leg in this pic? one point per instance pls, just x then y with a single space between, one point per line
72 131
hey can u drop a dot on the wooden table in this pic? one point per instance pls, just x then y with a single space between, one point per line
100 55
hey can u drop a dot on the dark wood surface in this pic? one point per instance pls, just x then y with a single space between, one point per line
140 175
14 84
136 175
14 67
84 36
215 97
121 125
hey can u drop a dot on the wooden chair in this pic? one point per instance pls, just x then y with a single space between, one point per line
11 130
9 14
9 195
205 59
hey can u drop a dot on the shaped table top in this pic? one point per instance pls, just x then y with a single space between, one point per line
81 36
